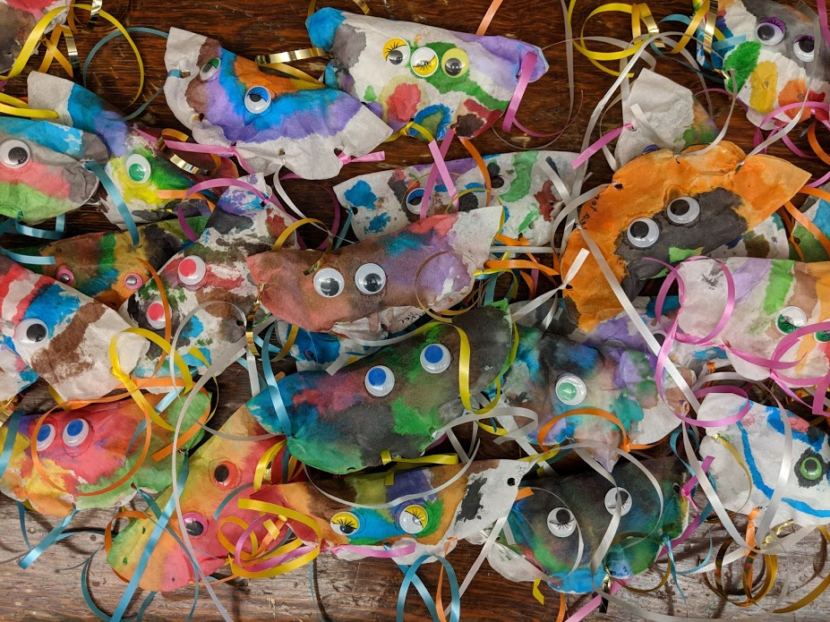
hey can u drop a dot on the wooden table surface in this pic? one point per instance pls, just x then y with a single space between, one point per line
365 590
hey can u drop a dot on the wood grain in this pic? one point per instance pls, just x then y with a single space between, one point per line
365 590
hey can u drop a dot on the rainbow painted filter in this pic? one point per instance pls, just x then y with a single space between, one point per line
272 121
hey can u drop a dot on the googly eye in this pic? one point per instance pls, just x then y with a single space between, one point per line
643 233
75 432
225 474
45 436
413 519
191 270
194 524
805 49
328 282
455 62
65 275
424 62
561 522
571 389
133 281
31 331
370 279
379 381
823 335
810 467
14 153
344 523
413 200
611 501
138 168
790 319
257 99
210 69
155 314
435 358
683 211
396 51
771 31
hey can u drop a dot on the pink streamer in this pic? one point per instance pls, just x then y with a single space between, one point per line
369 551
375 156
599 144
434 171
592 605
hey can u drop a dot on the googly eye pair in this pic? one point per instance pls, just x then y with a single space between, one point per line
570 389
412 520
454 63
14 153
31 331
792 318
611 500
645 232
74 434
139 169
369 279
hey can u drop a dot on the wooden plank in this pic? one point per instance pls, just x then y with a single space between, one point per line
365 590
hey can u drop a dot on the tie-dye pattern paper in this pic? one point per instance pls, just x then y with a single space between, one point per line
63 335
87 449
759 439
42 172
556 529
387 201
669 207
272 121
781 60
405 71
342 422
379 285
773 297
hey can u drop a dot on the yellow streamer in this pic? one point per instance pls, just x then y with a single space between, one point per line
387 458
263 467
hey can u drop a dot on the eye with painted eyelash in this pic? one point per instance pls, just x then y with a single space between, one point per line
344 523
396 51
771 31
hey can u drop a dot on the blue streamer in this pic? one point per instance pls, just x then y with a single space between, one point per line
43 234
21 519
52 537
133 30
115 195
411 578
97 611
273 391
29 260
12 426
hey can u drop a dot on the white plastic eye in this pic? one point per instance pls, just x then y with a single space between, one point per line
413 200
571 390
257 99
191 270
379 381
643 233
133 281
396 51
424 62
683 211
805 49
195 524
155 314
65 275
31 331
370 279
455 62
210 69
611 501
14 153
138 168
561 522
771 31
344 523
75 432
790 319
328 282
45 436
413 519
435 358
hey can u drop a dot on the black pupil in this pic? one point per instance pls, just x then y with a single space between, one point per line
638 229
36 333
679 207
453 66
372 282
221 473
395 57
255 97
766 32
807 44
659 338
194 527
415 198
563 517
511 481
330 287
347 529
64 278
18 155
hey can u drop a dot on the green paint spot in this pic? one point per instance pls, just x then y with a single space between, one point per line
679 254
413 421
447 84
742 61
528 220
778 288
698 135
627 410
29 205
369 94
523 165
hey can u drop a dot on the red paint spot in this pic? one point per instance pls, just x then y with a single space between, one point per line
155 312
546 199
403 103
187 267
440 224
